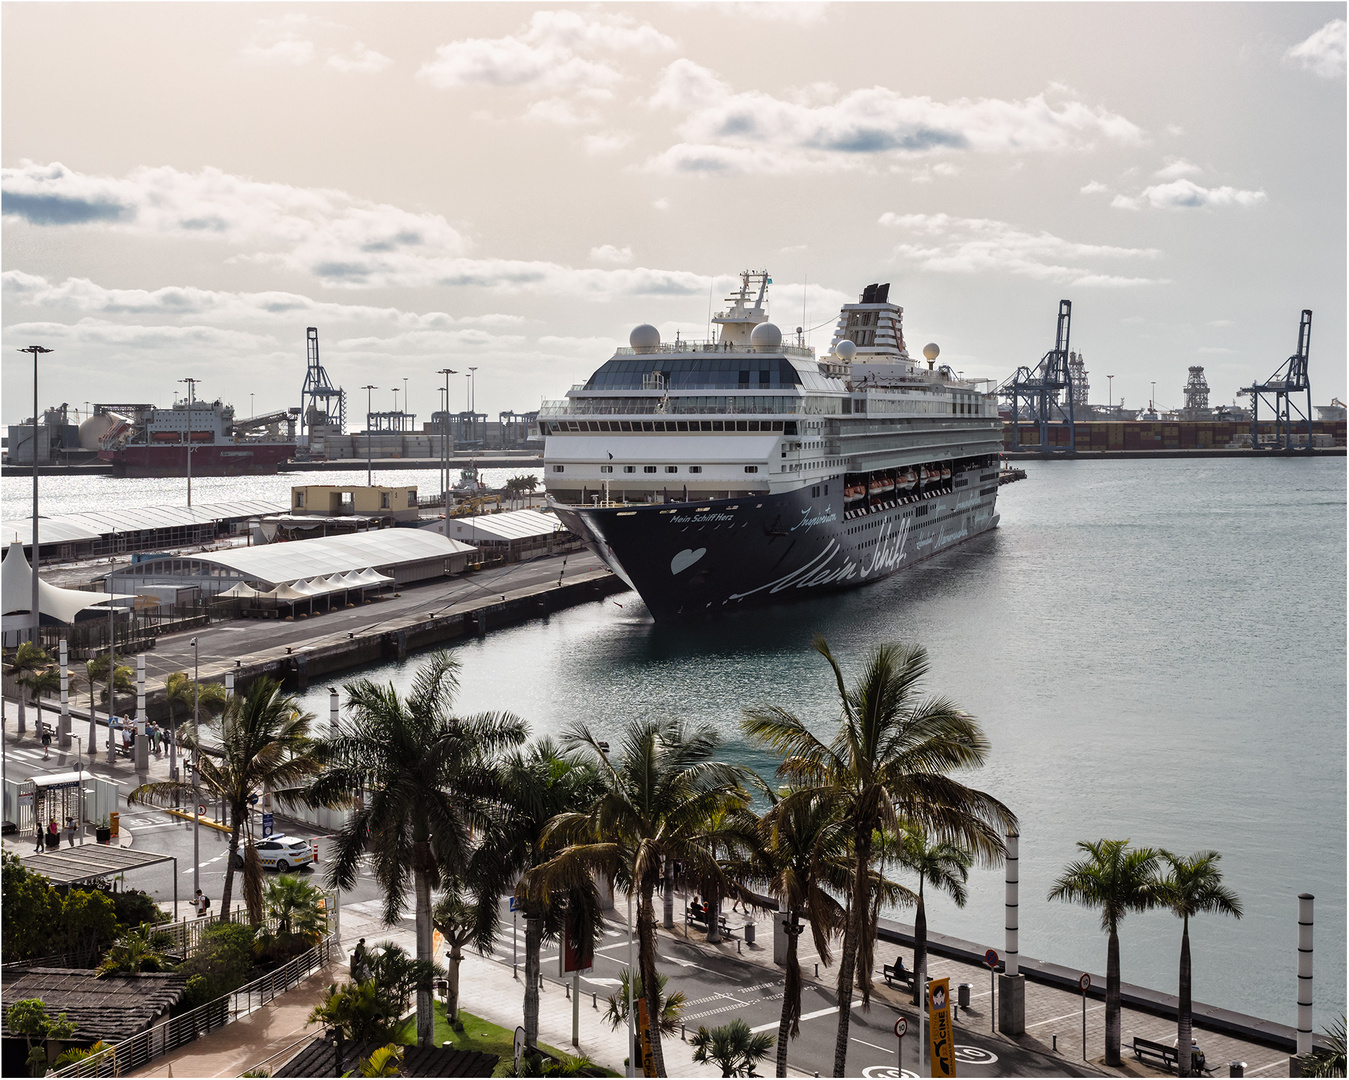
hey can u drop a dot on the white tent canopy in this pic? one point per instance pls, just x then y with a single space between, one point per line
54 603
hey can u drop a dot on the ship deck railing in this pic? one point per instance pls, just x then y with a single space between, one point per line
681 346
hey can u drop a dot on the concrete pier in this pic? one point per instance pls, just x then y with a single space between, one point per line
387 628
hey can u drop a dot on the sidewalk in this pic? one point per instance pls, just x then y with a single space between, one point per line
1053 1016
279 1029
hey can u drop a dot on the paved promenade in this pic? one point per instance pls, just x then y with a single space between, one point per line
488 988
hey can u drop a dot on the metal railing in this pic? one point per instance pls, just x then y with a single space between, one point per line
131 1054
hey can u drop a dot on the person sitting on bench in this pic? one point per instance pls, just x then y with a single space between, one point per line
698 909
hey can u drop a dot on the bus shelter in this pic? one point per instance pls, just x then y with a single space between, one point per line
94 862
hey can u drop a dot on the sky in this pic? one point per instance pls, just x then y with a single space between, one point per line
512 187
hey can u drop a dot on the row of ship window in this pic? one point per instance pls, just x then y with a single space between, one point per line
653 468
552 427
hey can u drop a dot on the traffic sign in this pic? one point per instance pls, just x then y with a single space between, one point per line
1084 982
267 823
901 1027
513 903
991 958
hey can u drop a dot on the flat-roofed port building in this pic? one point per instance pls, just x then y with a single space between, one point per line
405 556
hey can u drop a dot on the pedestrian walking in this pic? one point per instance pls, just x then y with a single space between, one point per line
154 738
201 902
46 739
54 832
70 830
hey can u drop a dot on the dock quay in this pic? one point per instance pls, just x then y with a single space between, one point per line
323 646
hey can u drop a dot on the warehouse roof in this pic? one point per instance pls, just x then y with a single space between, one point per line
92 524
513 525
325 555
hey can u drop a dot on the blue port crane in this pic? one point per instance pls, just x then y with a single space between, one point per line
1047 389
1290 379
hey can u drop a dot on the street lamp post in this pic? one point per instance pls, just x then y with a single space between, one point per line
36 350
473 400
196 779
369 408
445 437
191 401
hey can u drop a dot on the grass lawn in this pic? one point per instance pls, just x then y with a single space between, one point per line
478 1034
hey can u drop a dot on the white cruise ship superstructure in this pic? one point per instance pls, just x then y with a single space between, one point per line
710 475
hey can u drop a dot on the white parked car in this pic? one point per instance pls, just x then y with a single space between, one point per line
281 853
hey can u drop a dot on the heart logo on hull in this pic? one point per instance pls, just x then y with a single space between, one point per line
685 559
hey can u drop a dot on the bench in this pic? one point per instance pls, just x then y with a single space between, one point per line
897 973
1169 1056
694 919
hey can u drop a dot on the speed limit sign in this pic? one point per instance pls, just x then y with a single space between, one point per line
901 1027
1084 982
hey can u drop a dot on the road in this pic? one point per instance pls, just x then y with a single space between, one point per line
219 645
719 987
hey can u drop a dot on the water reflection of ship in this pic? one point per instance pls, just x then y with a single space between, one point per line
142 440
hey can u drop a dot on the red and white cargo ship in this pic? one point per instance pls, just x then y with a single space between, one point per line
157 442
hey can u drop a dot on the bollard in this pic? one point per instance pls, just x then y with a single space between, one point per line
737 947
567 987
594 1001
1056 1044
817 971
683 1037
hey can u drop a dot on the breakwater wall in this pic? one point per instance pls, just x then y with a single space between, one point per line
1208 1017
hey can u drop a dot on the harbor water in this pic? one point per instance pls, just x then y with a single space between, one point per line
1156 650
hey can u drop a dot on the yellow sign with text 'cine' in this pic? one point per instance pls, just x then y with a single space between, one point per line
941 1040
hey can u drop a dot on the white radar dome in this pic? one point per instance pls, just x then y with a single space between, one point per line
845 350
931 351
644 338
766 336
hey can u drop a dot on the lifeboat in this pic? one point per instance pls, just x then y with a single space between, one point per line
905 480
946 472
853 492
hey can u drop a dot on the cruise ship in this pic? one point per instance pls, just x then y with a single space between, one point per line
748 470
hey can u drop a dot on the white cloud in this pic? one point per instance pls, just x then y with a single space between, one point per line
561 111
1176 167
606 142
1185 194
279 41
80 296
614 256
661 204
361 61
287 51
1217 350
978 245
1323 53
1093 187
754 132
550 54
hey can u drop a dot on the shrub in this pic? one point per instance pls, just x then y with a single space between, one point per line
222 962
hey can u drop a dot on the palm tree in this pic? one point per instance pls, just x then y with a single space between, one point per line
181 689
355 1011
23 661
96 671
132 953
40 682
1327 1060
460 920
888 762
657 800
947 868
432 780
1117 879
671 1006
803 849
298 908
536 786
1193 886
732 1046
264 745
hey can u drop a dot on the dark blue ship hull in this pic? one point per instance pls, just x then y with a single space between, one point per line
701 558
